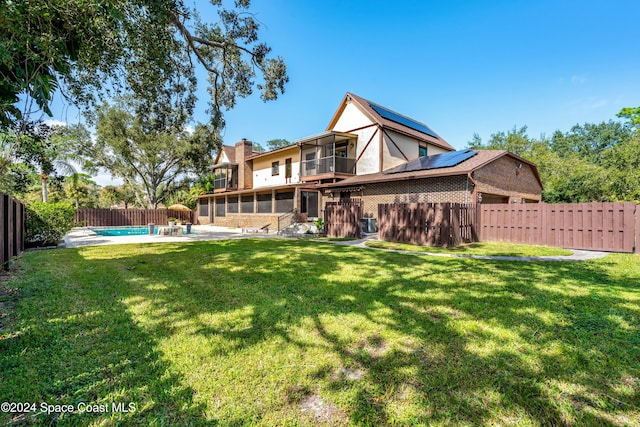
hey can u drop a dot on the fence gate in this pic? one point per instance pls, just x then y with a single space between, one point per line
342 219
427 224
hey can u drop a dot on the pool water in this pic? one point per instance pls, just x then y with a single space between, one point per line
128 231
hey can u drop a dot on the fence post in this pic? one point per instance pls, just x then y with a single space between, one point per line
637 239
4 230
11 229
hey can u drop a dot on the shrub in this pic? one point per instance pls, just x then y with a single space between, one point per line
47 223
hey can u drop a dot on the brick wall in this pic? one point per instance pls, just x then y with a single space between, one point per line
503 177
247 220
244 150
435 190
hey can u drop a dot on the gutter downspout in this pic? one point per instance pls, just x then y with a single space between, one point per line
475 188
478 227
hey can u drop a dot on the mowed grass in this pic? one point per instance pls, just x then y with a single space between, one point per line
478 248
275 332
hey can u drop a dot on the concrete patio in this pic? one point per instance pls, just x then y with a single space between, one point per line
83 236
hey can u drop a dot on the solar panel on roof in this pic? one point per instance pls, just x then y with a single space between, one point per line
437 161
394 117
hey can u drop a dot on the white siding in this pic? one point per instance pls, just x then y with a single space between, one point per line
409 147
263 177
262 169
353 118
433 150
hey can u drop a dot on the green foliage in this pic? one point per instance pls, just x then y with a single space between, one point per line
150 49
591 162
274 144
515 141
38 153
624 163
319 223
47 223
150 157
632 114
590 141
478 248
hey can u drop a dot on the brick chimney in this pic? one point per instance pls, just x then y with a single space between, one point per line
244 149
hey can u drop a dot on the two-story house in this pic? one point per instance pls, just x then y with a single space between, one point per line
362 143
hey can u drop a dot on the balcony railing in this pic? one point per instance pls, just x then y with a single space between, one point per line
224 183
325 165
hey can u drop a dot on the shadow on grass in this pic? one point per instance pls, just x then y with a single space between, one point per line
74 343
390 338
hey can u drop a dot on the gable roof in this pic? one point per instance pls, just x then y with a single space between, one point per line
229 151
475 162
389 119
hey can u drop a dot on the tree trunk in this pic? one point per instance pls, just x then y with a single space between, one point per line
45 193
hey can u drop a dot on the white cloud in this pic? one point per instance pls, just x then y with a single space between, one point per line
54 122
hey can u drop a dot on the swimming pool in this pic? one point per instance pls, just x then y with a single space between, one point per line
128 231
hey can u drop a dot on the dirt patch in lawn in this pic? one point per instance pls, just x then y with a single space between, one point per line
348 374
322 411
313 406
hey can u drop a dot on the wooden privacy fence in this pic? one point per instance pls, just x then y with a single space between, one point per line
342 219
11 229
430 224
591 226
120 217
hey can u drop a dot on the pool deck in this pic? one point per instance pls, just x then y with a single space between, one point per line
83 236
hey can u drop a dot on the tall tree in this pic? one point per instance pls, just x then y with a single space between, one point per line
515 141
590 141
569 178
623 162
274 144
151 48
149 157
40 147
632 114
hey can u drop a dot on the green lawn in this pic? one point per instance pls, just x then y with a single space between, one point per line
293 332
478 248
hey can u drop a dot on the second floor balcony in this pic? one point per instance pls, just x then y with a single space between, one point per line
328 156
328 165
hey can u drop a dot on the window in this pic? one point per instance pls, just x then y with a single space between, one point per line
287 168
232 204
247 204
309 203
220 206
310 161
341 150
275 168
264 203
284 202
422 150
203 207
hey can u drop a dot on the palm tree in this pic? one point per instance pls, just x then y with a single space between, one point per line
52 148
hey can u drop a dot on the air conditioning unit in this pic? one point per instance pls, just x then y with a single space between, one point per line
369 225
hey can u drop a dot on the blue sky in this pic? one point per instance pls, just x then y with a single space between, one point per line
461 67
